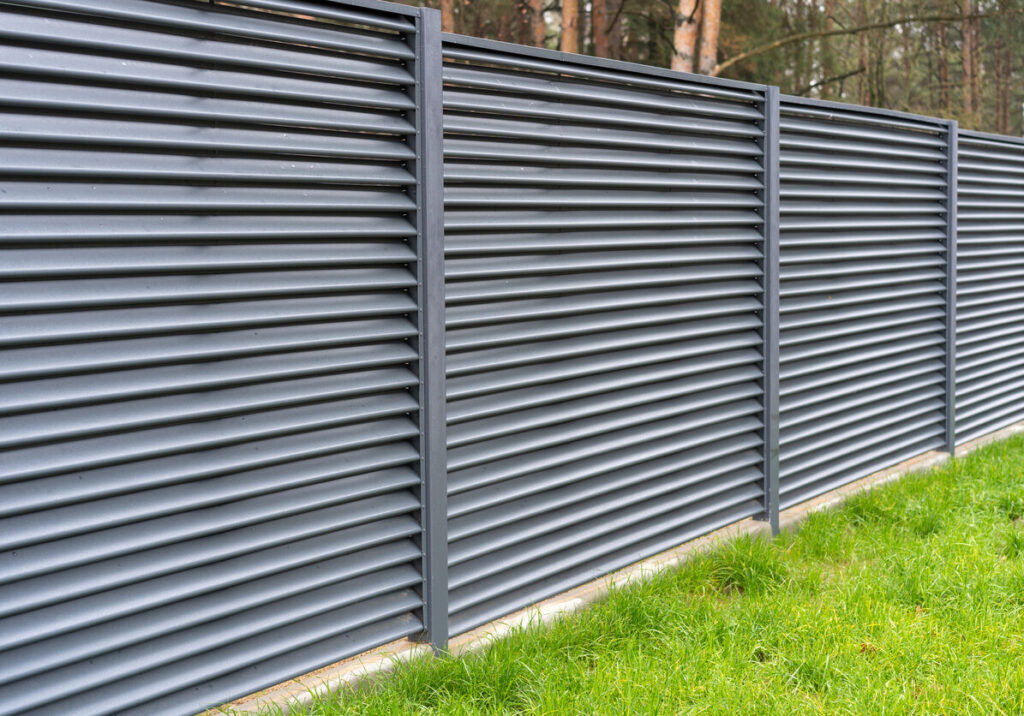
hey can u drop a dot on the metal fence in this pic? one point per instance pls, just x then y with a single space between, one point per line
270 400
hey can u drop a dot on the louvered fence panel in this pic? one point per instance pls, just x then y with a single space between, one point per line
990 284
211 380
603 236
862 290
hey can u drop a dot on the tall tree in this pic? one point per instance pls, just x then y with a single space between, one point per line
599 21
686 33
828 57
570 26
539 30
967 55
448 15
710 24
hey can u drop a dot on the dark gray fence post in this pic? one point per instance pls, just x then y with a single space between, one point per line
770 327
951 202
430 203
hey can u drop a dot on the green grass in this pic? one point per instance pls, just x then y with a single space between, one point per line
909 599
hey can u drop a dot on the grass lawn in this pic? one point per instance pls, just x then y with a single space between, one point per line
909 599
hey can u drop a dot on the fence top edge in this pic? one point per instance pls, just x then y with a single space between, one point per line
863 109
381 6
991 136
599 62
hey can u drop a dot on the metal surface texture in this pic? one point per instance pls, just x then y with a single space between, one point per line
214 353
863 283
604 243
322 329
990 284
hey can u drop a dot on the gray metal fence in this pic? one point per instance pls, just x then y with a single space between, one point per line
604 242
216 362
863 284
270 401
990 284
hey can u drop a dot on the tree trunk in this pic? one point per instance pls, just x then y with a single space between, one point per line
710 23
538 29
967 57
863 55
447 16
945 88
828 59
599 19
908 83
570 26
615 29
685 38
1001 87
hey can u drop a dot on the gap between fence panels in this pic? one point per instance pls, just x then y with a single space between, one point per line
365 669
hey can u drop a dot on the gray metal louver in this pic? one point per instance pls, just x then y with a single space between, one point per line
603 238
210 347
863 281
990 284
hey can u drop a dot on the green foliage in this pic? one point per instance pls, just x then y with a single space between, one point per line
915 66
909 599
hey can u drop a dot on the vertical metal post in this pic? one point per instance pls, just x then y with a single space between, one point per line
770 315
430 255
951 202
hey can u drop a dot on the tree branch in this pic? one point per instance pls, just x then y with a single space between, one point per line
800 37
830 80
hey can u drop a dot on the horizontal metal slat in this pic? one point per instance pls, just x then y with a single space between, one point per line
528 419
675 530
504 330
498 358
719 297
204 582
284 51
65 520
716 459
562 133
132 353
222 19
36 584
611 159
103 637
896 449
108 166
73 422
591 280
110 261
466 50
618 511
141 133
71 293
176 469
366 625
104 324
372 590
463 386
659 453
500 402
68 66
505 82
144 104
602 443
550 556
510 442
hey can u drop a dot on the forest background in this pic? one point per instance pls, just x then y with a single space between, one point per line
957 59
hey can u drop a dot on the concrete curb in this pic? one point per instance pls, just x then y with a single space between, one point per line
297 694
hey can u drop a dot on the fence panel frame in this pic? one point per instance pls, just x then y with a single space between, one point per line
430 219
952 171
